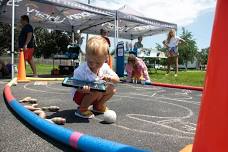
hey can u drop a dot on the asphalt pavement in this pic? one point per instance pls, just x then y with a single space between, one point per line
148 117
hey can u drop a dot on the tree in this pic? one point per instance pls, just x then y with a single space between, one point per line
5 38
188 50
49 43
202 56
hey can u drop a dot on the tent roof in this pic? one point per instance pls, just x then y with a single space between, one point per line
126 9
133 24
55 15
63 15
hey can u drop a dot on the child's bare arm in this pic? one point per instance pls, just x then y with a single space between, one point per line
113 79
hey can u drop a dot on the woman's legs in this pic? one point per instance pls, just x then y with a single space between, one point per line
172 60
28 55
176 62
169 60
33 67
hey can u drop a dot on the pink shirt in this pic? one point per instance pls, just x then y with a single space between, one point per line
140 68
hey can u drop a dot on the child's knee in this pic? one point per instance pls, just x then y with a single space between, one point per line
95 94
110 89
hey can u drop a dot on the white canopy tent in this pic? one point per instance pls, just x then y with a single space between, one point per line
70 15
60 16
132 24
67 14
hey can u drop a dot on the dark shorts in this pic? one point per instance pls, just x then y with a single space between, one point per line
78 97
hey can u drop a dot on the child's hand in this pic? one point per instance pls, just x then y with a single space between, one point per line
112 79
107 78
85 89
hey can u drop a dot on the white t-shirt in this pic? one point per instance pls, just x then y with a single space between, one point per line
84 73
173 41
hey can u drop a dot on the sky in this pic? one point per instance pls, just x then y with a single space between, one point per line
196 16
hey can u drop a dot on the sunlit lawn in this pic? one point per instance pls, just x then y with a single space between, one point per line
41 69
190 77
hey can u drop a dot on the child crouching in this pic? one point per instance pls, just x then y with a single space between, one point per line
94 69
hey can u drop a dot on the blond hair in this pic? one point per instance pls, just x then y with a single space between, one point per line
97 45
170 35
131 59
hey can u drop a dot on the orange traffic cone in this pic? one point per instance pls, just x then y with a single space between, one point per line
211 132
21 77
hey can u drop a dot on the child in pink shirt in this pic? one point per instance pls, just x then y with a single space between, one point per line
136 69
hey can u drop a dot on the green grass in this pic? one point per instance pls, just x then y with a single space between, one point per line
191 77
41 69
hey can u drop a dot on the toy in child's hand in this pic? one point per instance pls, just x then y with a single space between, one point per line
106 78
99 85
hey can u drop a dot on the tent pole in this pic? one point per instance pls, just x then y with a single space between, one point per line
115 30
87 35
117 27
115 45
12 40
72 34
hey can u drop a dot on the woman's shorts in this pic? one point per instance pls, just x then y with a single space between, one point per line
28 53
172 52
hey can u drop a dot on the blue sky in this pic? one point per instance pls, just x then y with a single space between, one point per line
202 28
194 15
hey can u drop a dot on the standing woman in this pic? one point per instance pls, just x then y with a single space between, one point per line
171 43
26 42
